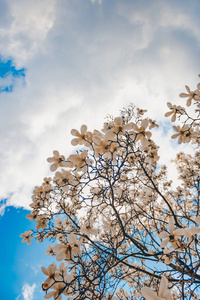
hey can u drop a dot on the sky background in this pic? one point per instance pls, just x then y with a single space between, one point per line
64 63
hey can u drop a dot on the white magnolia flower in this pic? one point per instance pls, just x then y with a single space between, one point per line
172 236
191 95
59 289
69 250
174 110
80 160
50 272
163 294
141 133
27 235
58 161
83 137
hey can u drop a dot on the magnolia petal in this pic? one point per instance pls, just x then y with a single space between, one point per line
189 101
61 266
169 105
45 271
110 135
148 134
174 136
179 231
49 295
183 95
194 230
163 235
171 226
65 188
60 256
84 153
177 128
145 123
72 158
28 242
164 243
148 294
53 167
50 159
173 118
163 286
167 294
197 220
74 132
66 164
72 238
75 141
118 121
187 88
128 126
58 247
96 139
68 278
83 129
135 127
89 136
180 139
169 113
56 153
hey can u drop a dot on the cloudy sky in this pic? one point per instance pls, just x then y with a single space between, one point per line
64 63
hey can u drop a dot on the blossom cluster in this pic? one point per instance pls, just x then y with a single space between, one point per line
189 131
118 228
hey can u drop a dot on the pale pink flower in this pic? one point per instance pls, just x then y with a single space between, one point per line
189 232
41 222
47 186
104 146
141 111
152 157
58 161
173 111
50 272
69 250
32 216
152 124
81 138
163 294
184 134
118 128
37 191
191 95
27 235
142 134
80 160
47 180
88 228
62 271
172 236
60 288
50 251
197 220
64 179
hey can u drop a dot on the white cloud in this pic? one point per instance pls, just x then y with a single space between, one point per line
97 1
29 23
28 291
85 61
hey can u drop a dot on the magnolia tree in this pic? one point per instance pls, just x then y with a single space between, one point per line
119 229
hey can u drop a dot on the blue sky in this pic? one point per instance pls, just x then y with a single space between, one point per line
9 73
21 263
73 62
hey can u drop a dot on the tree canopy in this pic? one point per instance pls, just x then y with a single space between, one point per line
118 227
